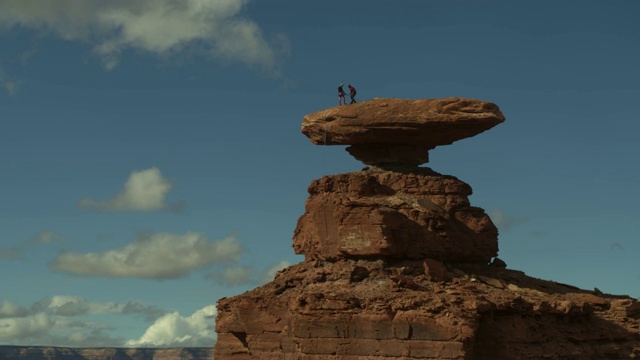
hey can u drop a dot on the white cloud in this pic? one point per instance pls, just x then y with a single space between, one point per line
61 321
506 222
70 306
162 27
47 330
235 276
145 190
157 256
244 275
22 327
271 272
76 306
175 330
9 309
66 305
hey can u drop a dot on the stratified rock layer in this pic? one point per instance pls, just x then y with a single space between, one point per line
411 309
396 268
413 214
383 131
399 266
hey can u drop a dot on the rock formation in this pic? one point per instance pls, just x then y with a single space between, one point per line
393 131
399 265
396 215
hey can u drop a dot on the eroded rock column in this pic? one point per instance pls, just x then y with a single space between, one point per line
400 266
394 215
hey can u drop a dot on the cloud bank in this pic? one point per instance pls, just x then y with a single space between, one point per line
172 329
69 306
161 27
158 256
143 191
60 320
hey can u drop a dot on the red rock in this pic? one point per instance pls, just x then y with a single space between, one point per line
498 263
624 308
400 131
435 270
394 215
404 281
476 321
491 281
379 245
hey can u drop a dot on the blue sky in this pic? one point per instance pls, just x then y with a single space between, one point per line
151 160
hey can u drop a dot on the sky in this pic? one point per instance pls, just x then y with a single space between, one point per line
151 160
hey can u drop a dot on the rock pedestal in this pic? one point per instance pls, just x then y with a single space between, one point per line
399 265
396 131
394 215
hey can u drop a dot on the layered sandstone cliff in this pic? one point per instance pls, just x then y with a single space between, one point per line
399 265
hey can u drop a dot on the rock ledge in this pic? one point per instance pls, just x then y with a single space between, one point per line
400 131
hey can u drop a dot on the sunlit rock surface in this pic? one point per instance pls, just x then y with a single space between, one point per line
400 265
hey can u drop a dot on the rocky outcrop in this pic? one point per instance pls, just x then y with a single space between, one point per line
362 309
377 213
394 131
399 265
65 353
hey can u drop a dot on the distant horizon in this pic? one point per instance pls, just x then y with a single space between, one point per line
107 347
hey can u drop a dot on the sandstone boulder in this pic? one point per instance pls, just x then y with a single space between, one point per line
391 214
383 131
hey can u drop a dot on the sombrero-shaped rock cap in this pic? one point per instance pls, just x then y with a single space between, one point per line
400 131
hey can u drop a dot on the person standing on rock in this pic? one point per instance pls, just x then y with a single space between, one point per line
341 99
352 93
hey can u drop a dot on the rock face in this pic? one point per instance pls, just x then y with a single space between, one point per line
394 215
399 265
363 309
384 131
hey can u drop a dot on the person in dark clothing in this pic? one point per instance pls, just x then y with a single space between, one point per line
341 99
352 93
